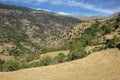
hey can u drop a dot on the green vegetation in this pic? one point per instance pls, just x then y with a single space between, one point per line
91 36
99 48
51 49
16 25
32 32
11 7
106 29
60 58
113 42
45 61
76 50
2 62
93 30
31 57
11 66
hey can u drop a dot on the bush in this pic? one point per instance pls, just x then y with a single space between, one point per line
118 46
2 62
93 30
11 65
31 57
113 42
15 52
51 49
106 29
99 48
25 65
77 53
45 61
59 58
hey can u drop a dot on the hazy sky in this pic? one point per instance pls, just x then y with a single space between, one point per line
71 7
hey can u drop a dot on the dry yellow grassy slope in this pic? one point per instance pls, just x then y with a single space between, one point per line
103 65
53 54
6 58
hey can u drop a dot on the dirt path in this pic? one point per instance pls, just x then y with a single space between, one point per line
103 65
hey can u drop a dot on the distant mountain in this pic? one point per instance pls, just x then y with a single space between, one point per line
13 7
97 17
115 14
89 17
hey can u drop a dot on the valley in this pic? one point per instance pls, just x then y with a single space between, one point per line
42 45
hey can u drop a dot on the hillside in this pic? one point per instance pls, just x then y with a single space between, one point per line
85 18
102 65
115 14
27 31
42 45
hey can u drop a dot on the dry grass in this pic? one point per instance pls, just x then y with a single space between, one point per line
6 58
53 54
103 65
110 36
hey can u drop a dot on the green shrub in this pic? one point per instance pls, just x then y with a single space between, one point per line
99 48
11 65
118 46
50 49
77 53
113 42
32 64
106 29
45 61
2 62
25 65
59 58
15 52
31 57
93 30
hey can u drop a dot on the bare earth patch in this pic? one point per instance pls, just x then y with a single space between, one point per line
102 65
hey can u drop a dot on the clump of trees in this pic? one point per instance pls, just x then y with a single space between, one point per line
12 65
77 50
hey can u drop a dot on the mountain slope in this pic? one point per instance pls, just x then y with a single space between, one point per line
81 17
115 14
24 30
102 65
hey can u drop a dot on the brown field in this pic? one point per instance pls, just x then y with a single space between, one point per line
103 65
